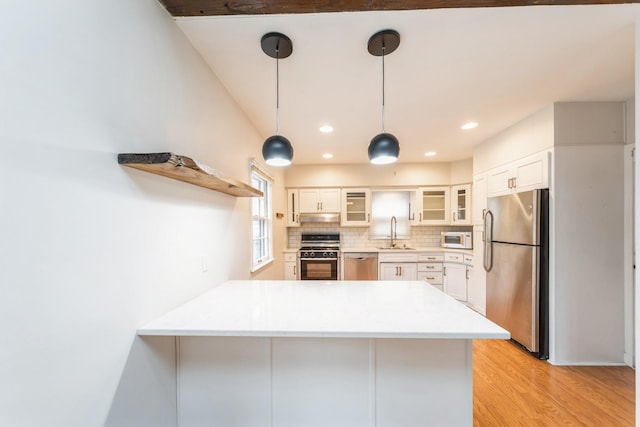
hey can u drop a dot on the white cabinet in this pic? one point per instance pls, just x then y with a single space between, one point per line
477 284
397 266
430 206
319 200
456 274
356 207
398 271
479 198
525 174
293 208
461 204
430 269
290 266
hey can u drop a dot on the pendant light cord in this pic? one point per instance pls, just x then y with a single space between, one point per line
383 47
277 90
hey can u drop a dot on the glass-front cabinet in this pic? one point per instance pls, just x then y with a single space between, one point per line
356 207
461 204
431 206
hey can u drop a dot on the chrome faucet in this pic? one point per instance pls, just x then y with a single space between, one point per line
394 231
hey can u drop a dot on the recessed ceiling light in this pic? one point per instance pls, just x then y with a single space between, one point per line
327 155
469 125
326 129
430 153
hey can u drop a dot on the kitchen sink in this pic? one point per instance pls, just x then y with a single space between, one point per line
397 248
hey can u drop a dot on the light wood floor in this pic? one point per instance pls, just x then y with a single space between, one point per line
512 388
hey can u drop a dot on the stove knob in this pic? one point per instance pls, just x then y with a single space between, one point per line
312 254
304 254
325 254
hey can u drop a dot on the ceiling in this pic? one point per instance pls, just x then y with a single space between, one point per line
494 66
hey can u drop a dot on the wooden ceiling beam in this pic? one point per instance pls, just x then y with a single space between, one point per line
266 7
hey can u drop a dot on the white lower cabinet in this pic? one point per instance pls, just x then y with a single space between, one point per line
398 271
430 269
456 274
397 266
290 266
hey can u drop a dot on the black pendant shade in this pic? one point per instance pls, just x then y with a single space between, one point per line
384 148
277 150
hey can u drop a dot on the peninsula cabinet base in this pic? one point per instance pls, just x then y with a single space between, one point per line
350 382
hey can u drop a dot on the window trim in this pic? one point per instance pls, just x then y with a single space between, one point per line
257 170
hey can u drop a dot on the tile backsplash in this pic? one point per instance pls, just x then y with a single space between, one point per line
358 237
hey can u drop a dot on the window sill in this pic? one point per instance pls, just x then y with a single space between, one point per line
261 265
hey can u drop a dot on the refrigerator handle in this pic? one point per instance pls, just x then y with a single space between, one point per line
488 244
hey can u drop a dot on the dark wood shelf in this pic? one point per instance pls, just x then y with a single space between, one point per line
188 170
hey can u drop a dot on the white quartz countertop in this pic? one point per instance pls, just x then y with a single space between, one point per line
355 309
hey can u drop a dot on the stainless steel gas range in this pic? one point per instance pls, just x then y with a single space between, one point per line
319 256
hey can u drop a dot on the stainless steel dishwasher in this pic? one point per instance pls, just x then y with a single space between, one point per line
360 266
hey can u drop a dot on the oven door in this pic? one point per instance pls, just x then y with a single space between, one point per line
318 269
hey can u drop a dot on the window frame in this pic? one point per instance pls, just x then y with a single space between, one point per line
264 214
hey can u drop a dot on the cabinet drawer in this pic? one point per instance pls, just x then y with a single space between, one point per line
432 278
437 257
396 257
429 266
288 256
454 257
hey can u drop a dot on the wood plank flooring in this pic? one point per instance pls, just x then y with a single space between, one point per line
512 388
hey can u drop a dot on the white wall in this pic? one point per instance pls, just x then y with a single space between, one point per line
91 250
398 174
589 264
530 135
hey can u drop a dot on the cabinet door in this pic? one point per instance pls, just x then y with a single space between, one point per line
531 173
356 207
309 200
290 271
329 199
479 198
461 204
398 271
455 280
499 181
477 283
433 205
319 200
293 210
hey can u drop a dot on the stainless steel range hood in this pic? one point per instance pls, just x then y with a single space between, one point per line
319 217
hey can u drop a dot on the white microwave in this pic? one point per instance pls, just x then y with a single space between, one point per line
456 239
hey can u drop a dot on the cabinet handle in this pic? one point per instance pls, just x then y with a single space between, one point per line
454 216
431 267
444 271
368 217
320 205
400 270
420 216
467 274
297 218
295 270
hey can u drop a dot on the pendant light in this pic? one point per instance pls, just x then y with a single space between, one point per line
277 150
384 147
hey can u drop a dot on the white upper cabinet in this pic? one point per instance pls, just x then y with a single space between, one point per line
525 174
356 207
461 204
319 200
430 206
293 208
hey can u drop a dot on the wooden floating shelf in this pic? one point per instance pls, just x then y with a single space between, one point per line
188 170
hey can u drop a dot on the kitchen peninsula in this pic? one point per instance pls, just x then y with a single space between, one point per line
339 353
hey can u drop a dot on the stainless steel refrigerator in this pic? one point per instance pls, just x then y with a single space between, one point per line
516 258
